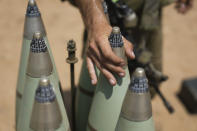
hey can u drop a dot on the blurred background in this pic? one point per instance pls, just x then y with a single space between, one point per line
63 22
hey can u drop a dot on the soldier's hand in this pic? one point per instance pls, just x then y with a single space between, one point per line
183 6
99 53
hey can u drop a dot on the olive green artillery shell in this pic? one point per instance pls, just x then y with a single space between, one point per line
107 103
21 74
126 125
84 95
22 71
32 25
136 114
27 102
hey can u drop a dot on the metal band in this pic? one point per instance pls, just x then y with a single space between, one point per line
90 127
124 116
130 119
88 93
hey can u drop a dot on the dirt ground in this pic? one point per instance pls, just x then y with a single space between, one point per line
63 22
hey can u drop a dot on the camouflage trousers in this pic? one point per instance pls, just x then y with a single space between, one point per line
153 36
154 45
154 41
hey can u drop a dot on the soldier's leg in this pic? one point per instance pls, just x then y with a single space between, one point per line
155 46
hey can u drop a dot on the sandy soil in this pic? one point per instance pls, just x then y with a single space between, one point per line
63 22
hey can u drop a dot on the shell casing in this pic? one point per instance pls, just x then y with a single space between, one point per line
84 96
108 99
39 65
33 23
27 104
136 113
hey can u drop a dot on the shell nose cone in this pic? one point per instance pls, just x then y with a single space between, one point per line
37 35
115 38
139 72
44 82
32 2
115 30
139 82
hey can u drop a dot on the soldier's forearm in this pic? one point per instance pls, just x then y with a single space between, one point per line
92 12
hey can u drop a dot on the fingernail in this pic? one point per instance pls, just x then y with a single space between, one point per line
93 82
121 74
122 64
132 53
112 82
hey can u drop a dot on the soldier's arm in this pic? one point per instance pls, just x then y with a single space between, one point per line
99 51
